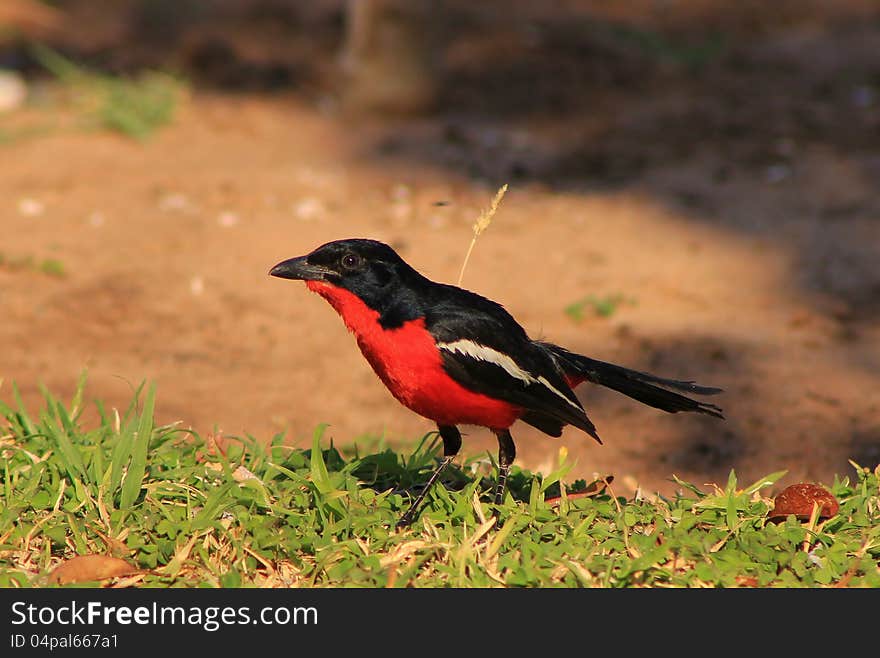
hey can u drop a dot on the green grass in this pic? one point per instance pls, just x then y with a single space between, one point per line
267 514
602 306
135 107
689 54
27 262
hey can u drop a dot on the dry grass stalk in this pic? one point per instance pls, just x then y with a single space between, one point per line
481 225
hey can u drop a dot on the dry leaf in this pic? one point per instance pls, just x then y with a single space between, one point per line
85 568
240 474
594 489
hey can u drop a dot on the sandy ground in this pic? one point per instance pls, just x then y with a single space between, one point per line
735 210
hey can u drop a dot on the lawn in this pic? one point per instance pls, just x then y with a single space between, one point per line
162 506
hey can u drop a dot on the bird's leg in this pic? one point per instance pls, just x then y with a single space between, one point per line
506 455
451 444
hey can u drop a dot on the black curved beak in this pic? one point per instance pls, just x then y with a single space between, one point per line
298 268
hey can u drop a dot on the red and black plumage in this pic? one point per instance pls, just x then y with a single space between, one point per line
458 358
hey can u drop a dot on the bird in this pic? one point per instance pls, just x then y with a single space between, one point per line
458 358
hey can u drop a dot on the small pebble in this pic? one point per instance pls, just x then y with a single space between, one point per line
13 91
30 207
197 285
309 208
228 219
174 202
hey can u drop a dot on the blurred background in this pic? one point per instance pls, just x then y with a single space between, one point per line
693 192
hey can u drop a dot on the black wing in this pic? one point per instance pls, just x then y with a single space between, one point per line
485 350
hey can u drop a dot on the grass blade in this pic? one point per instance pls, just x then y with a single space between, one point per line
76 401
124 442
731 501
131 487
216 501
70 455
317 468
765 481
120 456
22 416
327 495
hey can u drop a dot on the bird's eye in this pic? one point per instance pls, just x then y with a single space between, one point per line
351 261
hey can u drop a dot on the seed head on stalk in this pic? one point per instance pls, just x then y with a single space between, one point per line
481 225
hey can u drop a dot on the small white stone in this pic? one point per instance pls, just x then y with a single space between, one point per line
309 208
197 285
96 219
228 219
13 91
30 207
174 202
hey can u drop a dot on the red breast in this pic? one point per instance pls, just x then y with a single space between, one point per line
407 360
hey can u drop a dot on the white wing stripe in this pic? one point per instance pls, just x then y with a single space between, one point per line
483 353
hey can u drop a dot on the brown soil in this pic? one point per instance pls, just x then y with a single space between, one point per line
731 201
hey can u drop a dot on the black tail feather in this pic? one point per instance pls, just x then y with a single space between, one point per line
641 386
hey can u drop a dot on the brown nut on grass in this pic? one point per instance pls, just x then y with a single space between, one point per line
798 499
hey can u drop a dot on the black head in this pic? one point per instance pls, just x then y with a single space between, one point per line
370 269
